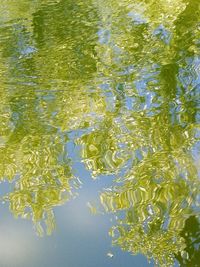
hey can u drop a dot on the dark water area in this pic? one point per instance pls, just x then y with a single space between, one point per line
99 133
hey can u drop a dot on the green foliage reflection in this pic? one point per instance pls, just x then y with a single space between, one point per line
43 71
151 63
120 80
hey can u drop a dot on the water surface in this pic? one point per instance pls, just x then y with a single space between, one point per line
99 133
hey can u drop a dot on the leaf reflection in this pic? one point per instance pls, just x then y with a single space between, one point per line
119 80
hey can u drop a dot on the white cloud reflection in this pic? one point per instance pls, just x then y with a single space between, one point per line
17 245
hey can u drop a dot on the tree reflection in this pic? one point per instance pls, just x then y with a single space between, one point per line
47 67
147 67
191 234
124 76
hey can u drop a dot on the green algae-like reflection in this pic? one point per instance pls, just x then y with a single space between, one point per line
120 80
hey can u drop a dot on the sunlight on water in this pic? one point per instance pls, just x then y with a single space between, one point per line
112 86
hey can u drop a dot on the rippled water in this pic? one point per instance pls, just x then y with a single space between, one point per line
99 133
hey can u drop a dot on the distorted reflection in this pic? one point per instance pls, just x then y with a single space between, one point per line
159 113
120 81
43 89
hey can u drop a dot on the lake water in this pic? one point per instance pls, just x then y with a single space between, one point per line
99 133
